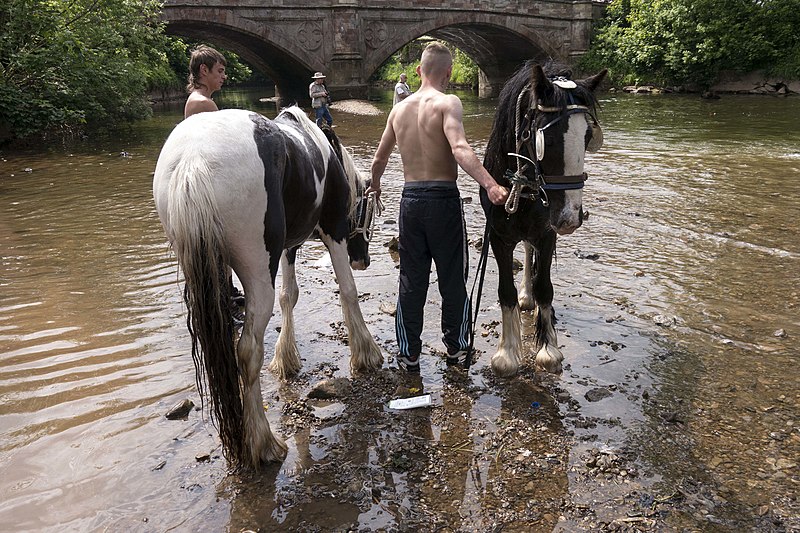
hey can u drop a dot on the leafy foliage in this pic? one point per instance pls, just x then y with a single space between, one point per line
69 63
465 70
692 41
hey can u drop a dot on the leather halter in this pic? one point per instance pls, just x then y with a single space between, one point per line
541 182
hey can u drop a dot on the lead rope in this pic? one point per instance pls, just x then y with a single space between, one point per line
481 274
512 202
374 206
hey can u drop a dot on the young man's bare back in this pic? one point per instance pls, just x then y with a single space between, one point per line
427 128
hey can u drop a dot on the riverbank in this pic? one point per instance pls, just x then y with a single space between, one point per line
755 83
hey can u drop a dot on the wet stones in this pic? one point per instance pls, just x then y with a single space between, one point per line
331 389
181 410
597 394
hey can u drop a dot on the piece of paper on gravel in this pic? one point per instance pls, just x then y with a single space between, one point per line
411 403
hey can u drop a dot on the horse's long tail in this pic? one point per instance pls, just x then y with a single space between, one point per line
197 239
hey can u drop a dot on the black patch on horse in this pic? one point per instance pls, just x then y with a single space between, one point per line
271 149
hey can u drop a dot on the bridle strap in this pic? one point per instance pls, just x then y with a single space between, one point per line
541 182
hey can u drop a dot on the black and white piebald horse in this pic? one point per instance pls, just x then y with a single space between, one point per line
544 124
235 190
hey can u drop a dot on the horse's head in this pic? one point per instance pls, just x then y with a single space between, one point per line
545 124
563 127
361 209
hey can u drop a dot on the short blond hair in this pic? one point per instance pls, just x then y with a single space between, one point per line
436 58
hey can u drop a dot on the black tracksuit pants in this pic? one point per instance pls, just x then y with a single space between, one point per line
432 228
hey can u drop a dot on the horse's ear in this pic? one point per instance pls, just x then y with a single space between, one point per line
539 82
594 82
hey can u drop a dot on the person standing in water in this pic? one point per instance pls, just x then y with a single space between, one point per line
428 130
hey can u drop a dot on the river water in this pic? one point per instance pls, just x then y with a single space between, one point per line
679 296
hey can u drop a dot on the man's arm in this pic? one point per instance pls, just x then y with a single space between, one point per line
463 153
381 159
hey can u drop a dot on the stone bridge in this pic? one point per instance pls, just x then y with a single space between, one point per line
348 40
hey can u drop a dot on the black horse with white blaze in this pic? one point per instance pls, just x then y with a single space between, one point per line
544 124
235 190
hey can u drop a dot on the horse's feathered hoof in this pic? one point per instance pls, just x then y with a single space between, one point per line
549 359
285 366
504 365
365 354
273 451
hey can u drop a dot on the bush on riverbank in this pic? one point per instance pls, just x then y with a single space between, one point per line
690 42
65 65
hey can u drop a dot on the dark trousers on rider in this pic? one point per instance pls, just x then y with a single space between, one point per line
432 228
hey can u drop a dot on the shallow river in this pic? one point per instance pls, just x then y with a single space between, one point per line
679 296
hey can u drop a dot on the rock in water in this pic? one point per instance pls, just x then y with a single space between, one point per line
181 410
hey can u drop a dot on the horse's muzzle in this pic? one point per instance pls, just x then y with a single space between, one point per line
566 227
361 264
566 230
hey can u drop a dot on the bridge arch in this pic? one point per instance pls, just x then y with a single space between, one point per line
350 39
280 59
496 49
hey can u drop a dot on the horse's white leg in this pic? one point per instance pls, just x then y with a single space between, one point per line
549 356
286 362
364 351
505 362
262 444
526 301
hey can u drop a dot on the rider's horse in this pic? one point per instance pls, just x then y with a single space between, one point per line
235 190
544 124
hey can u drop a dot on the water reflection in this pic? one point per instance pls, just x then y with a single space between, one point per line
688 314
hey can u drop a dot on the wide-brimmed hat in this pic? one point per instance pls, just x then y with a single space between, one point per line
317 75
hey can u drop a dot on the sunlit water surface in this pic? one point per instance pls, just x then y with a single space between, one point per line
693 217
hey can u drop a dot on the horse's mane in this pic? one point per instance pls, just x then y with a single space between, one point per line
503 137
330 139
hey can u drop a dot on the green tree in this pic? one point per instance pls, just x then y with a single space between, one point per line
692 41
465 70
68 64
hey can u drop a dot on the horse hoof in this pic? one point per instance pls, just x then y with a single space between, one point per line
504 366
284 370
275 451
549 359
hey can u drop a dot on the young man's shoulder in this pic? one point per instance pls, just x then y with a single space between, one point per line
198 103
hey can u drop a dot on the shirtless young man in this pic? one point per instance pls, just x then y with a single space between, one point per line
429 132
206 76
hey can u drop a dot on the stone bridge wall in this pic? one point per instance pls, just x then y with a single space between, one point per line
350 39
